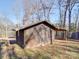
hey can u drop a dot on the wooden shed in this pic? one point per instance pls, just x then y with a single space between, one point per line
37 34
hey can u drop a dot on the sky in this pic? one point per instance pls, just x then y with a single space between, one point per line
7 9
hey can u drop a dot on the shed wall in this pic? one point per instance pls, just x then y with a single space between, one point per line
38 37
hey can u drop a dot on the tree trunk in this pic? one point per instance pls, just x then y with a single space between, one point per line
69 23
69 20
64 19
64 22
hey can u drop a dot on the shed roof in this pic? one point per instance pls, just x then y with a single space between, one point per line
46 23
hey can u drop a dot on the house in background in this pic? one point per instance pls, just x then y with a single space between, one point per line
40 33
75 35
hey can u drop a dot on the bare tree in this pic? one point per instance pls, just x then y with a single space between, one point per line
60 3
71 4
16 9
41 9
18 12
67 6
47 8
76 19
5 26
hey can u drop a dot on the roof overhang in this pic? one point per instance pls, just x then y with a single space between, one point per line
44 23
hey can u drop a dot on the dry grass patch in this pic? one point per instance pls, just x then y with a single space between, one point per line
60 49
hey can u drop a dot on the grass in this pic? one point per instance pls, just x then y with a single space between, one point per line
60 49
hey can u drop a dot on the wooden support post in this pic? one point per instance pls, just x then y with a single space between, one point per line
56 35
66 35
50 36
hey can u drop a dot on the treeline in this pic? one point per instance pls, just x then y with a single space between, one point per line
6 26
67 12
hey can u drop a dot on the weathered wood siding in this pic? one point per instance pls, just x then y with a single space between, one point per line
20 38
37 36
